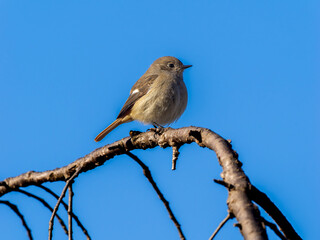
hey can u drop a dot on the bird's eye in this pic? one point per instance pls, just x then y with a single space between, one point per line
171 65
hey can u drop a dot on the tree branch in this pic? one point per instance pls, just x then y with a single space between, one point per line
63 225
239 203
70 211
264 201
148 175
16 210
274 228
84 230
69 181
175 155
227 218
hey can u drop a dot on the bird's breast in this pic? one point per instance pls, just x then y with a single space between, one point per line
163 104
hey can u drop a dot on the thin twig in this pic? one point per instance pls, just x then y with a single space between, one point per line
84 230
228 217
148 175
60 199
70 211
274 228
264 202
223 183
175 155
16 210
239 203
63 225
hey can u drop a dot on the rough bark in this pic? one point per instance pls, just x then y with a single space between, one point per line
238 184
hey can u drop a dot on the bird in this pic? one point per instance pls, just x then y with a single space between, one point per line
159 97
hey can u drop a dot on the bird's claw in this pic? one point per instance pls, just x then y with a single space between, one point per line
158 129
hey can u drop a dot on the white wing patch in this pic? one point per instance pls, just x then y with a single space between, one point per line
135 91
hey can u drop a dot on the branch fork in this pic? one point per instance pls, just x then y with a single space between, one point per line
241 194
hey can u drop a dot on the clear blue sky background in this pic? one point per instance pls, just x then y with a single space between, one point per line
66 68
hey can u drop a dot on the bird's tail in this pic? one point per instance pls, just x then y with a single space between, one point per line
112 126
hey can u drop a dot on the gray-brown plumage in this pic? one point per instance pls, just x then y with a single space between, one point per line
159 97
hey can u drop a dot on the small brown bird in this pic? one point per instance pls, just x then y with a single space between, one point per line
159 97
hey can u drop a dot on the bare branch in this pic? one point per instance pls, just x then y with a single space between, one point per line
16 210
63 225
274 228
227 218
69 181
239 203
84 230
223 183
264 201
148 175
70 211
175 155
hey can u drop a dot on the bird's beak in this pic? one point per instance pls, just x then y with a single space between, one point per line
186 66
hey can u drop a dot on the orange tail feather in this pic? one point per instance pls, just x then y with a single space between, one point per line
112 126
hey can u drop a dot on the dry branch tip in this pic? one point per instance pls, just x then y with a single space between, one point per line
175 155
223 183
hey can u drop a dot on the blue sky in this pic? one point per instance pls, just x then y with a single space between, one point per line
66 69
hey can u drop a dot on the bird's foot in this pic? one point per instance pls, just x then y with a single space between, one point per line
156 125
157 128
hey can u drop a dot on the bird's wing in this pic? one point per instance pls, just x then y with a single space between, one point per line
139 89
